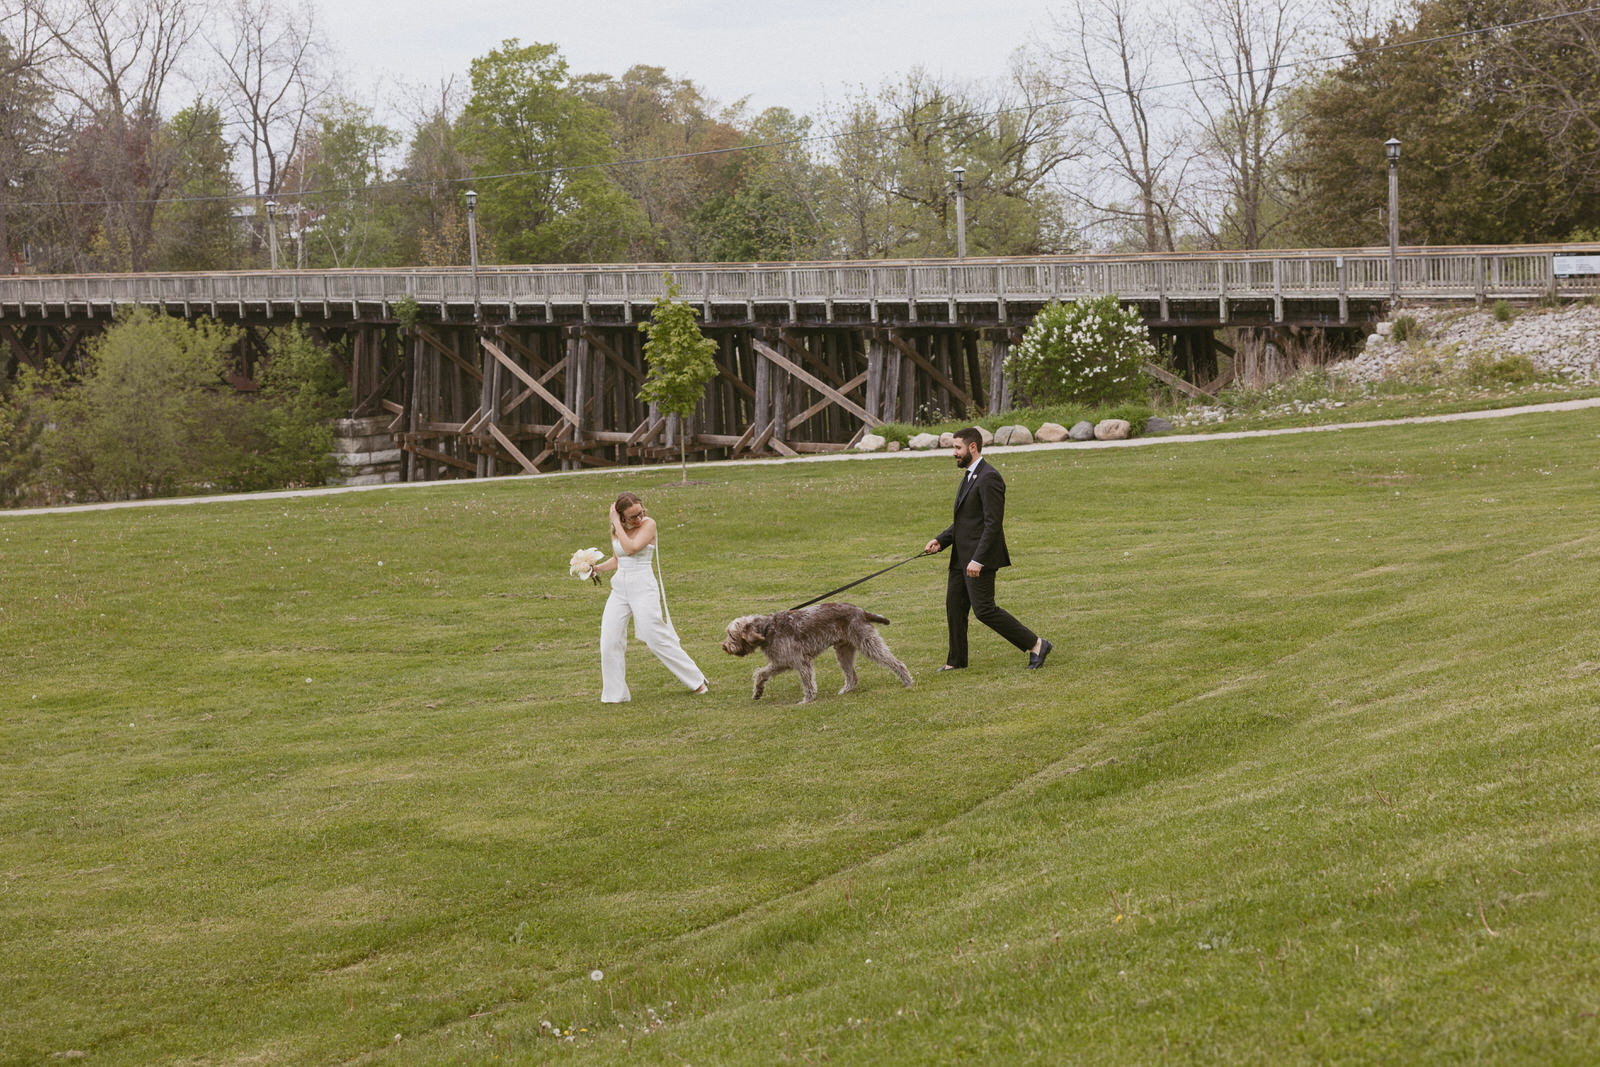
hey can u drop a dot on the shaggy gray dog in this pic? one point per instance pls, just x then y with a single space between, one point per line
792 640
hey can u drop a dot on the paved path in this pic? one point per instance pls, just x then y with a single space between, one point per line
993 450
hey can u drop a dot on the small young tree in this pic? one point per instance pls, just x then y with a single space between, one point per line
680 359
1086 352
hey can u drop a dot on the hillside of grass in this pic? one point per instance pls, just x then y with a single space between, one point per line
1310 778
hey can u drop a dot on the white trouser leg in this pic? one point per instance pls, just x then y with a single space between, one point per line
614 648
659 637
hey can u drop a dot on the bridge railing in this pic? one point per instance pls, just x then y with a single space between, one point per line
1423 273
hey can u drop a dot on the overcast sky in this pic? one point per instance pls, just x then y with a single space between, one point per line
776 52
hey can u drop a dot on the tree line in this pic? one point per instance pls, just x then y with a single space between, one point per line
153 135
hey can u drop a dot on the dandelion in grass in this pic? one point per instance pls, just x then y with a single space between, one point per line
596 975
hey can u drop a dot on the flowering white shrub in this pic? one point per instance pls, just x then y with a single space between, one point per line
1086 352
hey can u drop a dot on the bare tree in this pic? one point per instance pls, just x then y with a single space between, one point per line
436 170
1357 22
274 77
890 190
23 53
1030 139
1237 54
859 188
1107 54
116 62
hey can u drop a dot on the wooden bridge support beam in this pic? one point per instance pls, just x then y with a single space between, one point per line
532 395
999 381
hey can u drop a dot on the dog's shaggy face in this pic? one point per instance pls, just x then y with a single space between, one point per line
791 640
746 634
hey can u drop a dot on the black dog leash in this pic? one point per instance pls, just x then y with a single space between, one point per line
858 581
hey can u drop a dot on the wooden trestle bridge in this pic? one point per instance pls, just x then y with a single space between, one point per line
530 369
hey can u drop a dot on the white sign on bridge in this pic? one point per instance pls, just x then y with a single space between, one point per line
1566 266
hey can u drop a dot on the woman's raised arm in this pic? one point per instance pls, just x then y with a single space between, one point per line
633 542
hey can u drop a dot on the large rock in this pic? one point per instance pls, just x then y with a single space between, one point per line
922 442
1081 431
871 443
1156 424
1112 430
1051 432
894 446
1013 435
948 440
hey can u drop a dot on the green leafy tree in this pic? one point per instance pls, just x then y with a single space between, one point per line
350 219
668 122
1477 165
681 361
145 415
148 414
20 429
284 437
1087 352
196 229
769 209
559 203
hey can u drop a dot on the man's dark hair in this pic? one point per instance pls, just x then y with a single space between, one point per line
972 436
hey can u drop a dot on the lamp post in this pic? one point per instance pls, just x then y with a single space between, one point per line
272 232
961 212
1391 148
491 378
472 242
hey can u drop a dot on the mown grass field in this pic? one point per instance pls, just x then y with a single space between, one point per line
1310 778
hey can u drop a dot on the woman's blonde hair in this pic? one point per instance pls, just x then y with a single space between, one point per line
626 501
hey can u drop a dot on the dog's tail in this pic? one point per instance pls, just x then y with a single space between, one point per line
871 617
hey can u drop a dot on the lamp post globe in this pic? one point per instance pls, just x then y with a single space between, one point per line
960 175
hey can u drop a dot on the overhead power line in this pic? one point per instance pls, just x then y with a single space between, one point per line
822 138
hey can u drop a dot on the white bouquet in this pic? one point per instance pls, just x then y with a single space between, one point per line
583 563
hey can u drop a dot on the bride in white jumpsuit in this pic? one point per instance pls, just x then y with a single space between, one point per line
636 594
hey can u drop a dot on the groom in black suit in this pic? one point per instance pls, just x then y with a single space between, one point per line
979 536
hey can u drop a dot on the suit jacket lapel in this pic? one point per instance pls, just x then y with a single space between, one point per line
966 487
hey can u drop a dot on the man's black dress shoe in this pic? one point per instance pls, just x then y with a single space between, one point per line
1036 659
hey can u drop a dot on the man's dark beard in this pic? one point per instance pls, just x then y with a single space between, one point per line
965 461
